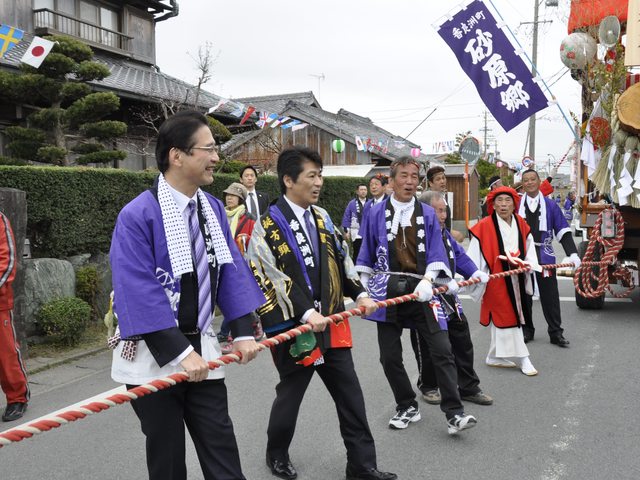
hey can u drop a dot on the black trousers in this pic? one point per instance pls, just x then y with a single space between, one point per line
462 348
356 244
550 302
339 376
389 341
202 406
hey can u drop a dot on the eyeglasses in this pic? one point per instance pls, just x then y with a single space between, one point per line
209 150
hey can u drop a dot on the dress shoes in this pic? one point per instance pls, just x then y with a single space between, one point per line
560 341
371 474
14 411
528 337
282 469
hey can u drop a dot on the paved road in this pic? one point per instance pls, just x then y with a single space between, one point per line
578 419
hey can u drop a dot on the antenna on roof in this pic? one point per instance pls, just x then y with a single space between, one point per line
319 77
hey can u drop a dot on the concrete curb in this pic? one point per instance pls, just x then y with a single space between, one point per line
40 364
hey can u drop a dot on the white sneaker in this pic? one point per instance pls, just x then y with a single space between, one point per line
403 418
460 422
499 362
527 367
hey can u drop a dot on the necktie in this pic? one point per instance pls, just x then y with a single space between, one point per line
254 205
202 267
311 230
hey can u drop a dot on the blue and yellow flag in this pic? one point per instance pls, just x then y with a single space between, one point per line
9 38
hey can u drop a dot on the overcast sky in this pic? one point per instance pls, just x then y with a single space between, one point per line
381 59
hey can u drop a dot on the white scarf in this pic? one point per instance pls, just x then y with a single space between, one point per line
542 205
402 213
175 230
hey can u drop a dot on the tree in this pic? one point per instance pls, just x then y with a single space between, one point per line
455 156
68 117
204 63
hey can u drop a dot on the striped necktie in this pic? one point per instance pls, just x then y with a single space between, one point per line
313 234
202 267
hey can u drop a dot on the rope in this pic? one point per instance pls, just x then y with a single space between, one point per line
55 421
590 284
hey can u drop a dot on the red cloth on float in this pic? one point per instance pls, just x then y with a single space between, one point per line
585 13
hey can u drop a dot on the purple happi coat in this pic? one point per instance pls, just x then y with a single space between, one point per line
147 293
374 252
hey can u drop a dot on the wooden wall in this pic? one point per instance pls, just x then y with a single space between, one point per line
255 153
455 184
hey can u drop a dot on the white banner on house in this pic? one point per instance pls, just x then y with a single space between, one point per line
440 147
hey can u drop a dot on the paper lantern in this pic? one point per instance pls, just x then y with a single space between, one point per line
415 152
499 164
338 145
578 50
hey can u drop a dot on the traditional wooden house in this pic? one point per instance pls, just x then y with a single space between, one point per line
122 36
456 186
364 142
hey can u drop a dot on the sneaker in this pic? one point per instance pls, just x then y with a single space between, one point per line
403 418
432 397
480 398
460 422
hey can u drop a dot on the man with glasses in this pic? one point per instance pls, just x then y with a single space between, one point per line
174 259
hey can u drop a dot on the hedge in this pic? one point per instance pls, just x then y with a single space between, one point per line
73 210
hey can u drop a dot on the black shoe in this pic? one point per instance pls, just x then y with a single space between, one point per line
371 474
528 338
14 411
282 469
560 341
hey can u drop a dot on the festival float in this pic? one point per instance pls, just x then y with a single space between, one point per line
602 50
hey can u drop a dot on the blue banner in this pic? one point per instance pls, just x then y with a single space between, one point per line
501 77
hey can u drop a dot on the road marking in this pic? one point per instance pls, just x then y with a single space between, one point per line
565 429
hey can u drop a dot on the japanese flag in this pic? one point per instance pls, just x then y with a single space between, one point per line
37 52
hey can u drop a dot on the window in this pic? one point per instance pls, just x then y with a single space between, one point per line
86 19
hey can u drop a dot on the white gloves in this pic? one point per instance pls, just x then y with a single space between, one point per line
479 274
575 259
452 287
424 290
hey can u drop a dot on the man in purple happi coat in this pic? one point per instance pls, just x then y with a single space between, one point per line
402 252
173 260
547 223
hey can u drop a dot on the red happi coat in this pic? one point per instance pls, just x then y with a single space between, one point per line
498 301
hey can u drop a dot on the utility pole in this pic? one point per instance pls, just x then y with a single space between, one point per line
485 130
534 69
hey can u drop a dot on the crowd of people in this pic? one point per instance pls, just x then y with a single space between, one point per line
295 266
179 255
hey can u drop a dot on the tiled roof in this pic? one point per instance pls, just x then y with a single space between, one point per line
277 103
129 78
347 125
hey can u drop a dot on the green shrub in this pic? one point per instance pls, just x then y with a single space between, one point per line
90 147
65 319
11 161
87 284
220 133
73 210
52 154
103 156
104 130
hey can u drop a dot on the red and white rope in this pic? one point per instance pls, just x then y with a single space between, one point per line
71 415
